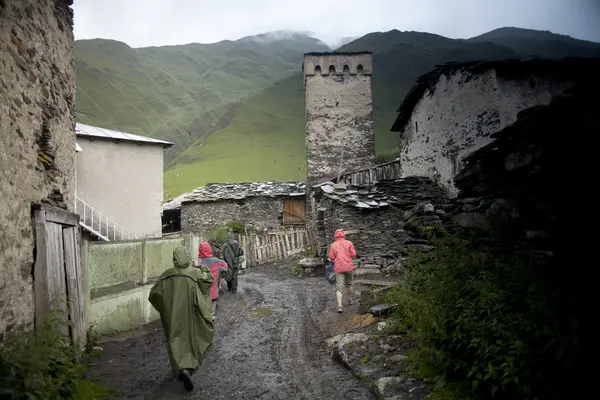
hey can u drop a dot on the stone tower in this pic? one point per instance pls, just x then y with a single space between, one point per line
339 113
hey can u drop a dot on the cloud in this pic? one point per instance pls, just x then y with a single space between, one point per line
142 23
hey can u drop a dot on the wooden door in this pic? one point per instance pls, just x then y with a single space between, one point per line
294 211
58 276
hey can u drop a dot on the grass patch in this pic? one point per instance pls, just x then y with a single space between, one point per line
263 311
296 269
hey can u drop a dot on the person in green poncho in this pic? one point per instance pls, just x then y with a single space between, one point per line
182 298
233 255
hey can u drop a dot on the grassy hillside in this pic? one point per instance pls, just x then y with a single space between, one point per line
179 93
265 137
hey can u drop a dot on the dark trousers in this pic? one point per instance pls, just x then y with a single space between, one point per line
232 283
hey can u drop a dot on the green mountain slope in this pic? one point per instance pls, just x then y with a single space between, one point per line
179 93
265 136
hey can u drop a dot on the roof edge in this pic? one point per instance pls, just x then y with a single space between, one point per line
337 53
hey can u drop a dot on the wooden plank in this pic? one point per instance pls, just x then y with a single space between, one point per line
57 289
82 281
57 215
40 268
287 243
276 248
74 295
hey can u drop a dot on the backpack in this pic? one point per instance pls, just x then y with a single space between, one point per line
330 273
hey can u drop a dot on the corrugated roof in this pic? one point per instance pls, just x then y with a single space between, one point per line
94 131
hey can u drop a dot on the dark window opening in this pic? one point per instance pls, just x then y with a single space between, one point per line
331 69
171 221
417 126
346 69
359 69
317 70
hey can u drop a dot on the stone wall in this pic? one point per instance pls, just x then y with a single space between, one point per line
379 235
457 114
200 218
339 113
37 138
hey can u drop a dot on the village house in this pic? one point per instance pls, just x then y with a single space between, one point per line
119 183
264 205
452 110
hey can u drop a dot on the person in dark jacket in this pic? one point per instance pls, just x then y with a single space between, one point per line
233 255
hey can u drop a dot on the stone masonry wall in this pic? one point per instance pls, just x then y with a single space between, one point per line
339 113
264 213
37 104
461 113
378 234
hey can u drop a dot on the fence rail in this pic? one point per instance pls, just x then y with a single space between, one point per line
99 224
275 246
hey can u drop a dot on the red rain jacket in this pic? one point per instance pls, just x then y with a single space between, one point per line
215 265
341 252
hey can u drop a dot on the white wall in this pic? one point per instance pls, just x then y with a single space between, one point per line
124 181
460 115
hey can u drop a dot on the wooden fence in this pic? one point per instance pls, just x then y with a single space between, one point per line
275 246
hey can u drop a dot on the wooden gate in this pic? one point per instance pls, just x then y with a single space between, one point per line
58 277
278 246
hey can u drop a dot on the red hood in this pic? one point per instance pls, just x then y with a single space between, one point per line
205 251
339 234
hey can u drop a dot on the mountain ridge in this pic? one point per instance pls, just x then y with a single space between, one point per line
249 120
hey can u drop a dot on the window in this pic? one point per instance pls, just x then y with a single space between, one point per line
294 211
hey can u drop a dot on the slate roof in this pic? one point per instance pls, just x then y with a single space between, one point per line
361 196
401 193
84 130
572 67
237 191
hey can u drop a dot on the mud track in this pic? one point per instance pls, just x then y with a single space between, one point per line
269 344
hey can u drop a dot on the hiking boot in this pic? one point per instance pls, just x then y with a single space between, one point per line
340 309
186 377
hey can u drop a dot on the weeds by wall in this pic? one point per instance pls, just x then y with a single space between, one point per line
487 324
44 364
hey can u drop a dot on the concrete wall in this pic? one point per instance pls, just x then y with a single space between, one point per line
37 103
124 181
262 212
121 275
461 114
339 114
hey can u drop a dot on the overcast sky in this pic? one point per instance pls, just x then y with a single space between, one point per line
142 23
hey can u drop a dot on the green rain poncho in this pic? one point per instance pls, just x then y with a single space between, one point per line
182 297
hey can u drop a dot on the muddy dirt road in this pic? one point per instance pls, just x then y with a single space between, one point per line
269 344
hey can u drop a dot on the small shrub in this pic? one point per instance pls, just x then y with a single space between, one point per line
236 227
386 157
485 323
296 269
43 364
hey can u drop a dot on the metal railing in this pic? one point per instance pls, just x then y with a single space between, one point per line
99 224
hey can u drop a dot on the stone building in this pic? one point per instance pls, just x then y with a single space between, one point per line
37 138
339 113
372 215
119 175
264 205
452 110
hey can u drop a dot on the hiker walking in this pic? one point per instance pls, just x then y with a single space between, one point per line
214 245
216 267
182 298
232 253
341 253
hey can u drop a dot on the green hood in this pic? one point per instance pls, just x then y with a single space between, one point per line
181 257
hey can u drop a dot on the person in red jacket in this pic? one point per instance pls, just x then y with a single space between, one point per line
216 266
341 253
